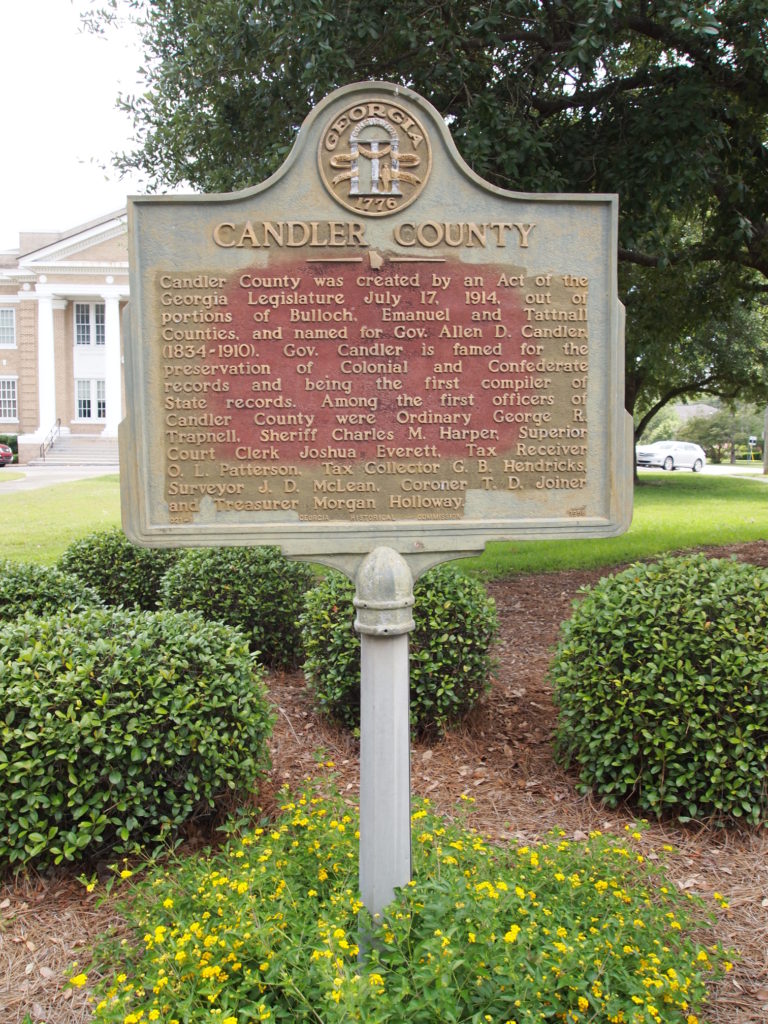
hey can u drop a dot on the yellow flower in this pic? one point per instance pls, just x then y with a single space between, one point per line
168 903
512 934
125 873
583 1004
79 980
229 1020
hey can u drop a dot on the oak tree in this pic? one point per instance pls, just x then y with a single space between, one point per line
664 102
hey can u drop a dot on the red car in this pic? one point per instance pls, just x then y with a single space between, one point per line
6 455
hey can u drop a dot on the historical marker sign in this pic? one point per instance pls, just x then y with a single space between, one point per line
374 347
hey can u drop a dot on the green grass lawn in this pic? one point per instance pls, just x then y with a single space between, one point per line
38 525
672 512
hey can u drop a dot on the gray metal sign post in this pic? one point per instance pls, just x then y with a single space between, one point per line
384 599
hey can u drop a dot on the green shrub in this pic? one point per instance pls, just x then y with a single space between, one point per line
41 590
268 930
450 661
661 682
123 574
258 590
117 726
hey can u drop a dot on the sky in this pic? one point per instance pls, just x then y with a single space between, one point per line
58 87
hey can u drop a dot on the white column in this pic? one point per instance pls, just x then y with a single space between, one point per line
46 367
112 367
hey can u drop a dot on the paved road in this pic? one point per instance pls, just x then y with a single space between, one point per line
45 476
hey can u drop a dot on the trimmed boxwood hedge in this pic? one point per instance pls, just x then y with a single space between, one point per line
258 590
450 659
117 726
41 590
661 685
123 574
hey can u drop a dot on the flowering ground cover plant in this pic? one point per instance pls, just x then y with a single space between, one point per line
268 929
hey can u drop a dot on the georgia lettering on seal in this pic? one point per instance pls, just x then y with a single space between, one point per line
375 158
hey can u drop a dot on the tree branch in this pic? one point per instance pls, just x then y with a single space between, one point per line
666 398
642 259
589 97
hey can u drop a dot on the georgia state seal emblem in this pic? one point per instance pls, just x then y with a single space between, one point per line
375 157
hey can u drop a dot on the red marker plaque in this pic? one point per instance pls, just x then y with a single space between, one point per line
374 347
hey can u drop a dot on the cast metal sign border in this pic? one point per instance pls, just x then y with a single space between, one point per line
165 228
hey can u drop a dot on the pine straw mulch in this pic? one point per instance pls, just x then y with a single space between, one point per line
501 756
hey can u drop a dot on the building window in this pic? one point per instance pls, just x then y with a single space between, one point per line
9 406
91 400
90 323
99 323
7 327
82 323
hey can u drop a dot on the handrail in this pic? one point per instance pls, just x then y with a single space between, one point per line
50 438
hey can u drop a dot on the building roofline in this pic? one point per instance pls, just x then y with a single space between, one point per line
57 238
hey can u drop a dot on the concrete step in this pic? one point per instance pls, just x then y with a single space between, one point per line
80 450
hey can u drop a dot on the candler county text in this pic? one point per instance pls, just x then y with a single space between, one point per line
295 234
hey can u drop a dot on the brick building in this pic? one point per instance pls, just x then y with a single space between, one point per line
61 298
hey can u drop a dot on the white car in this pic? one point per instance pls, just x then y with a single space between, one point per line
671 455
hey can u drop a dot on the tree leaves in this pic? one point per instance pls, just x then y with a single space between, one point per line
664 104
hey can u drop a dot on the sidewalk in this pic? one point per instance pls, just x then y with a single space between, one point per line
36 477
755 469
